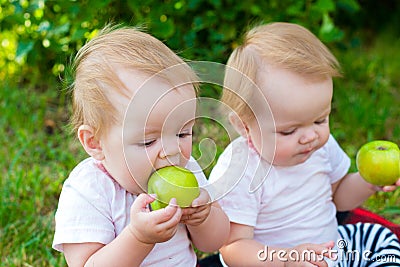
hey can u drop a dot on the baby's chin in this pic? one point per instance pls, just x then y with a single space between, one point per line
293 161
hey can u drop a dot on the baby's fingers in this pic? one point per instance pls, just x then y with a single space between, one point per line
322 249
389 188
320 263
169 215
202 199
141 203
315 253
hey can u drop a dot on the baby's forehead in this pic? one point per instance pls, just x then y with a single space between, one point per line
150 110
134 80
138 91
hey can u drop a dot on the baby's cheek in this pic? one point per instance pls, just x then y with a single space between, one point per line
283 153
187 155
186 149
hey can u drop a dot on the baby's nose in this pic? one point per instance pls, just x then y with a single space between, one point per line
308 136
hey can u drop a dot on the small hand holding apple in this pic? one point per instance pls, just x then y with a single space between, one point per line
378 162
153 227
180 183
198 212
173 182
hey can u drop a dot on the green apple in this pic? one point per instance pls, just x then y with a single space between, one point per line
379 162
173 182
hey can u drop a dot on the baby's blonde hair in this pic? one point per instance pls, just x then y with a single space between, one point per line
287 45
95 64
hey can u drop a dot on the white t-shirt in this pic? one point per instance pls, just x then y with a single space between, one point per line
93 207
287 206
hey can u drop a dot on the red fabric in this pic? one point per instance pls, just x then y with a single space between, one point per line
363 215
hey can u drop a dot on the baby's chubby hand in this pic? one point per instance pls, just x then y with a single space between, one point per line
155 226
198 212
310 255
389 188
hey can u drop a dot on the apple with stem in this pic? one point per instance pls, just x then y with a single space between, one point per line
173 182
378 162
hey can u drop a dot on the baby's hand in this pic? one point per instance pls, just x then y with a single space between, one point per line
310 255
198 212
156 226
390 188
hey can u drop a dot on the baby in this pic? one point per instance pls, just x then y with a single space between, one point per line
287 173
134 104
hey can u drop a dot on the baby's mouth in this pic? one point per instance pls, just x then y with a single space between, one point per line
306 151
154 169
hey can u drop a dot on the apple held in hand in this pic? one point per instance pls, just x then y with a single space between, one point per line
379 162
173 182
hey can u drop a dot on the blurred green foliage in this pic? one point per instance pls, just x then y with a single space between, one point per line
38 37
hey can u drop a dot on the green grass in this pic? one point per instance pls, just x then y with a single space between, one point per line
36 157
38 152
366 107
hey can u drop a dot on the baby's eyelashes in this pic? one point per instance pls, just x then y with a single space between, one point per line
147 143
183 135
293 130
288 132
321 121
150 142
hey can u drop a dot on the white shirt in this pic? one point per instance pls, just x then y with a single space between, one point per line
93 207
287 206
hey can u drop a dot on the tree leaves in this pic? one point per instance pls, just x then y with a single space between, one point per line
49 32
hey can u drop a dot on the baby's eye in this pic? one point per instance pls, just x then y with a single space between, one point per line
147 143
321 121
285 133
183 135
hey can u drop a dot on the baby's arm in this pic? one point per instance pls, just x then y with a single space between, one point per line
134 243
352 190
242 250
207 223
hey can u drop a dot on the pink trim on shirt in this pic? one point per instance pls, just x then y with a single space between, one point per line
103 169
251 145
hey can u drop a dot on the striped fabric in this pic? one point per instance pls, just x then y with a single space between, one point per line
369 245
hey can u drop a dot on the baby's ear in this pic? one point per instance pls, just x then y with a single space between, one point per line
239 125
90 143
